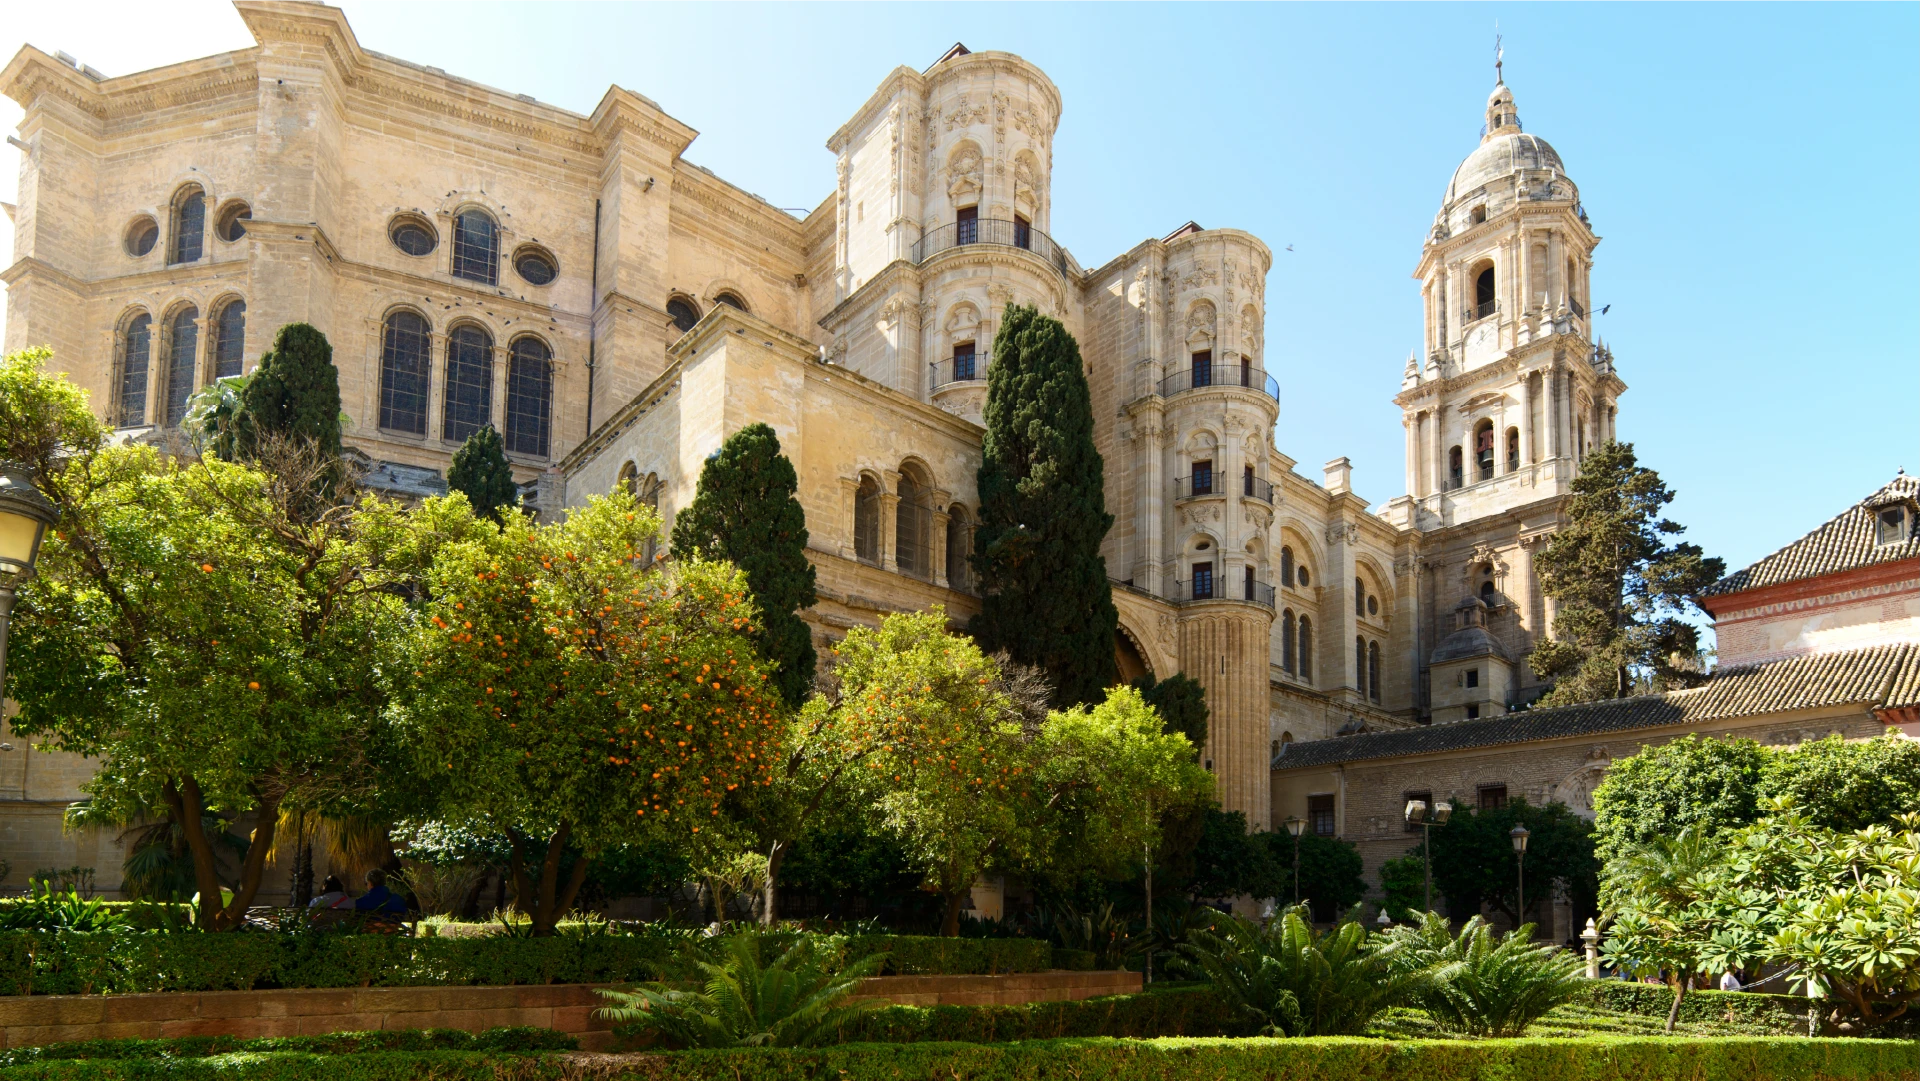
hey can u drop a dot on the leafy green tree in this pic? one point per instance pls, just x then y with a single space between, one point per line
480 472
746 512
1713 783
1037 548
1847 786
1229 861
219 648
1404 884
1623 587
1473 856
1660 910
1331 879
1181 702
295 391
568 694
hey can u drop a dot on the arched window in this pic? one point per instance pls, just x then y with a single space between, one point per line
231 225
912 519
867 521
684 313
530 397
1306 662
957 548
470 383
1360 663
1513 449
476 247
229 338
731 301
629 476
650 498
1487 592
1454 477
183 351
403 373
1484 450
1287 641
1360 596
1374 672
1484 293
189 226
1572 293
134 354
1287 566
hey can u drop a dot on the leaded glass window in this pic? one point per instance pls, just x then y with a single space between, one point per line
476 248
404 347
189 227
183 347
133 371
230 337
470 383
530 395
685 316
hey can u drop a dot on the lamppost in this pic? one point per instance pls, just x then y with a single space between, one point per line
1519 836
1419 814
1294 827
25 515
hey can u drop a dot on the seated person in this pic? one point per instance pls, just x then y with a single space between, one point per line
333 894
379 900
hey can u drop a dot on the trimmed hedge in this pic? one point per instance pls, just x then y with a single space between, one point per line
1784 1012
301 1066
70 963
514 1041
1195 1011
1074 960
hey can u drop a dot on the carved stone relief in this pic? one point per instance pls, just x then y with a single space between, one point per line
964 172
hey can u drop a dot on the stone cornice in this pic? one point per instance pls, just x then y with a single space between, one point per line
623 110
890 279
902 77
33 74
1840 587
1190 239
733 204
1003 63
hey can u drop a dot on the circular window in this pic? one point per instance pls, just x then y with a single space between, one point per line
413 236
142 235
534 265
1301 576
1373 606
684 313
231 225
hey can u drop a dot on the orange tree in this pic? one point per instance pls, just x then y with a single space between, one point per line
568 693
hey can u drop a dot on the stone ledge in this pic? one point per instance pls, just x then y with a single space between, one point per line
28 1021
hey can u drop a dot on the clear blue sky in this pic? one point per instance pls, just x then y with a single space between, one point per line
1751 168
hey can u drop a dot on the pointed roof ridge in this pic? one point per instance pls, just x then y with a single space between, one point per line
1843 542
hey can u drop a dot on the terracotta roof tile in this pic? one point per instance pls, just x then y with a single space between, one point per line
1845 542
1876 676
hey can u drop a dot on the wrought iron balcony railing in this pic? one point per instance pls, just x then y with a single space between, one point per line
1006 234
956 370
1221 375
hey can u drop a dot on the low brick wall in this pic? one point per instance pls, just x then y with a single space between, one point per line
29 1021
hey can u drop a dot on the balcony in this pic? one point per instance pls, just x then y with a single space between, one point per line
956 370
992 231
1198 484
1215 588
1481 311
1256 488
1224 375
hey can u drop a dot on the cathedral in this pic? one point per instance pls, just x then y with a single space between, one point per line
478 257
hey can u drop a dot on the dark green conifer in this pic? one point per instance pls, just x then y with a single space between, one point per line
480 472
745 511
295 391
1045 596
1182 704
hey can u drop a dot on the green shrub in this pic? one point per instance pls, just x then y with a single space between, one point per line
1187 1011
1291 980
1785 1013
796 1001
499 1040
299 1066
1074 960
1478 983
913 955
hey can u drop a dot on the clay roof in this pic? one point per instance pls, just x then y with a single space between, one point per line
1845 542
1878 676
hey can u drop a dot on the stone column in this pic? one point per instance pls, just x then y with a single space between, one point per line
889 520
1527 419
1153 495
497 389
1440 453
1225 647
849 492
436 386
939 539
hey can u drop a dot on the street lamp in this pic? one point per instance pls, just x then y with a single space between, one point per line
1519 836
1294 827
25 515
1418 814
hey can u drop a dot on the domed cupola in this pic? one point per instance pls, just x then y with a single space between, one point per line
1505 151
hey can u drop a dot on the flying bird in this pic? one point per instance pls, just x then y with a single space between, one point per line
1290 247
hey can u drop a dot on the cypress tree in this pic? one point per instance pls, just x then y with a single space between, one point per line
480 472
295 391
1182 704
745 511
1623 587
1045 597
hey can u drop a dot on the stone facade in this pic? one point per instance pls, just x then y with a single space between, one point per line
479 257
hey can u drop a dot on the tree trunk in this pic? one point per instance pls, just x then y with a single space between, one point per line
770 893
546 900
183 803
517 866
253 867
1674 1011
950 924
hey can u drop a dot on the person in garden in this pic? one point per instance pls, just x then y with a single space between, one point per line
379 899
333 894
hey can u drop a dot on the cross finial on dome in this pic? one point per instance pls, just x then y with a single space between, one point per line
1497 54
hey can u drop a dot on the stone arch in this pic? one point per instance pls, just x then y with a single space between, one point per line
1377 604
720 287
1307 555
1131 658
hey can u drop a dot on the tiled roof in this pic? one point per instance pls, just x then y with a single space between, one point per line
1847 541
1877 676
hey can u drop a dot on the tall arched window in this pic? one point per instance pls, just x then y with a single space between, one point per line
530 397
1287 566
476 247
1454 476
1306 664
470 383
1513 449
1360 596
650 498
1374 672
229 338
957 548
134 354
404 364
1360 663
1484 450
183 351
867 521
189 226
1484 293
912 518
1287 641
629 476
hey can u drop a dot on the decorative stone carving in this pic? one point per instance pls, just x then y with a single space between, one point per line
963 114
1200 277
1024 182
1339 532
962 320
1200 320
964 172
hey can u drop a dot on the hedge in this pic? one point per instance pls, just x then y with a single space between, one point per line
1653 1000
1195 1011
300 1066
497 1040
69 962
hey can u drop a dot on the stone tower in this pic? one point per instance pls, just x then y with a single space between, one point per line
1511 391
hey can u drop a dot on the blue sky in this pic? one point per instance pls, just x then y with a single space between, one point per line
1751 168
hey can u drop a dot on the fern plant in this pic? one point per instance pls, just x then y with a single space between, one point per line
794 1002
1480 983
1291 980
